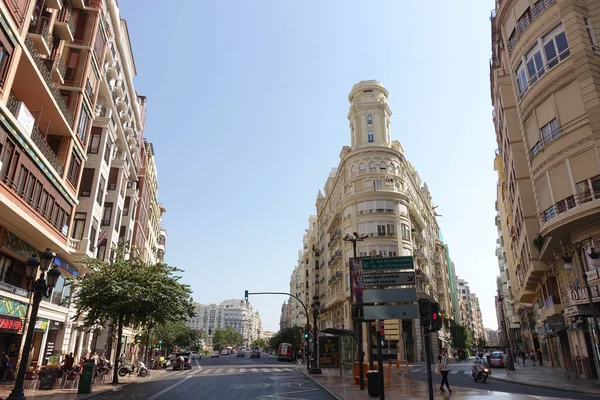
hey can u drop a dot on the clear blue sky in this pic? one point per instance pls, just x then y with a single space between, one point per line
247 113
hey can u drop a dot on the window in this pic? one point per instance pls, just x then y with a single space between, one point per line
550 131
74 168
82 126
107 153
126 206
405 232
92 245
556 47
94 146
100 194
370 136
112 178
382 166
87 180
535 64
106 216
4 61
521 79
591 35
101 251
79 225
21 180
118 218
372 166
369 119
362 167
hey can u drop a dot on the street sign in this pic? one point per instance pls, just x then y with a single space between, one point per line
389 336
389 295
374 278
390 312
383 263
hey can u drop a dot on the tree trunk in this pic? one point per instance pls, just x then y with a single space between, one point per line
119 335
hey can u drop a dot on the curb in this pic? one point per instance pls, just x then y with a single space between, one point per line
105 391
560 389
335 395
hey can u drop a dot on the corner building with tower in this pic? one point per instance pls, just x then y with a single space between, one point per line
376 192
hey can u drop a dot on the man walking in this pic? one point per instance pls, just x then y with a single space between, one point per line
444 367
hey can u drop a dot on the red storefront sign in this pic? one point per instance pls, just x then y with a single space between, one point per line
11 324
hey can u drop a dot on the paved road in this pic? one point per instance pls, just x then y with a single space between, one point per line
460 376
227 377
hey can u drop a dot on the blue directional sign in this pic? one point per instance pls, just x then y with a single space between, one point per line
383 263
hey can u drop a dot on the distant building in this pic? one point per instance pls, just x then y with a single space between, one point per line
493 338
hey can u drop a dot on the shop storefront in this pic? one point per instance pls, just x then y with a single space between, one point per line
12 324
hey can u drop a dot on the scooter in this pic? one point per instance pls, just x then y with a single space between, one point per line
480 372
128 369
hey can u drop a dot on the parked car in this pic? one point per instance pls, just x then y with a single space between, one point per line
496 359
224 352
196 355
255 353
186 364
215 354
240 353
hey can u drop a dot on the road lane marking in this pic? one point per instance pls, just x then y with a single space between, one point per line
231 370
254 370
219 370
277 370
454 372
168 388
206 371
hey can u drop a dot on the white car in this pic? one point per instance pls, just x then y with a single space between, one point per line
195 355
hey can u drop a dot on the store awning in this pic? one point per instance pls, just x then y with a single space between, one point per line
338 332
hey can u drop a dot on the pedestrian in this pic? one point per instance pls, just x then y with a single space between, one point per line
540 357
523 356
3 366
443 366
532 357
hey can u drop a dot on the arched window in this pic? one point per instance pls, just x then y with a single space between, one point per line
382 166
372 166
362 167
369 119
354 170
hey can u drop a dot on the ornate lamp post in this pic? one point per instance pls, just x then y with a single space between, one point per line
315 369
42 286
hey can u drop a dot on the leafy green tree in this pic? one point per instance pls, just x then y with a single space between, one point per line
462 338
291 335
129 291
481 342
226 337
260 343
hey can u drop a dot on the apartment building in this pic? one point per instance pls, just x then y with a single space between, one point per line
493 338
284 319
374 191
545 92
238 314
477 321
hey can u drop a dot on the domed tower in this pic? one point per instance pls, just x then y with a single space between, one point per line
369 115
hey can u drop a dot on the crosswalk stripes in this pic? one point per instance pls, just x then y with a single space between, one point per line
217 371
454 371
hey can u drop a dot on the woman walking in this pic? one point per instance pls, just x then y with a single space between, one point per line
444 367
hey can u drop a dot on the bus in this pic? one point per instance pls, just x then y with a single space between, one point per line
286 352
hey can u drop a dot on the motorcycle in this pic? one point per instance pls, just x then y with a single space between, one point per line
128 369
480 372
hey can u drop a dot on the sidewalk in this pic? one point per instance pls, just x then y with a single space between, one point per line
342 387
546 377
71 394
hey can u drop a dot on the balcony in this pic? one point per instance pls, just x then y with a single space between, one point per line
57 69
125 117
41 37
89 91
81 4
65 28
534 273
54 4
573 201
381 234
38 139
118 89
334 278
550 308
336 235
336 256
376 210
525 21
419 255
545 141
419 238
47 76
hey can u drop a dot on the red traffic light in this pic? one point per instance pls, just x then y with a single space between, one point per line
435 316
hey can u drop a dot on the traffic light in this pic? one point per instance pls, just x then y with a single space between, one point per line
160 342
436 319
246 295
425 313
306 335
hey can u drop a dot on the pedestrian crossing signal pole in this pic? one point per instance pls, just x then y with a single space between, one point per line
425 312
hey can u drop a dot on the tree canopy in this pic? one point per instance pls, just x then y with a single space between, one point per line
260 343
226 337
462 337
292 336
127 290
174 334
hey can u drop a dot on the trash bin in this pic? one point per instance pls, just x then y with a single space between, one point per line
373 382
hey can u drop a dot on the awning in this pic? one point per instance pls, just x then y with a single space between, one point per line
338 332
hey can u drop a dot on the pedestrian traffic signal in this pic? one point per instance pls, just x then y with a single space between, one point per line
425 313
436 319
306 335
246 295
160 342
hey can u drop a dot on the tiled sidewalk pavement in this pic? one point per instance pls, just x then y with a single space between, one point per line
546 377
71 394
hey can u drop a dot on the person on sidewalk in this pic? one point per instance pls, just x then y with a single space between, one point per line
444 368
540 358
532 357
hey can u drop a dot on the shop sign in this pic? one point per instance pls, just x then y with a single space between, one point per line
549 302
12 308
593 274
571 311
11 324
13 289
556 322
41 324
579 296
65 265
540 328
16 245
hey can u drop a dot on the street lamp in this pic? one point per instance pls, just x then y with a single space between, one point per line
315 369
511 364
568 260
41 287
354 239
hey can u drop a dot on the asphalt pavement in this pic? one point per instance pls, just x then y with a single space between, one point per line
227 377
460 376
